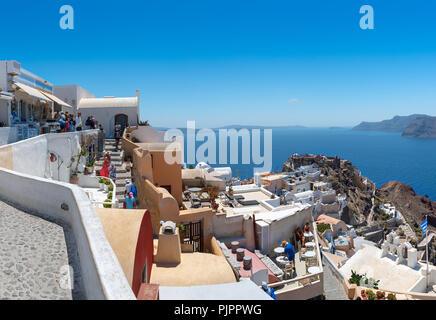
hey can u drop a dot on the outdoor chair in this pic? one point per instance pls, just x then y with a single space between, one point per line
288 270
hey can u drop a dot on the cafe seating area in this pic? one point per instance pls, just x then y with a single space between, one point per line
305 262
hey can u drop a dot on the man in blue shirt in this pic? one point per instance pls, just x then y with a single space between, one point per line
130 202
289 250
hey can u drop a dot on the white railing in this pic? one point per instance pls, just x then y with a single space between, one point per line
114 193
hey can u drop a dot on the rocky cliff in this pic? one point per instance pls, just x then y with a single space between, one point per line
412 206
396 124
345 179
423 127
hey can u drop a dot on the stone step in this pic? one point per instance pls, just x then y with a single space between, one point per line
114 163
120 182
120 170
115 153
123 175
120 190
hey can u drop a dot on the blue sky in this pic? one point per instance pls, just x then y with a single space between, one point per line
280 62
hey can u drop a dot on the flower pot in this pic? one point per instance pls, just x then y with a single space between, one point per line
74 179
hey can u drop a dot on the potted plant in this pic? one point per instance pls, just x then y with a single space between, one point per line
182 230
110 187
101 183
371 295
392 296
107 205
90 165
106 185
75 162
380 295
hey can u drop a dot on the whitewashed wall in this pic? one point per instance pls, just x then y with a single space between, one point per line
8 135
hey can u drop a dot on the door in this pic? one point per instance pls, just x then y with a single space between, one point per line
193 235
123 120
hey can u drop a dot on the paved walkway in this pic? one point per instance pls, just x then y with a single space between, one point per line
32 253
333 289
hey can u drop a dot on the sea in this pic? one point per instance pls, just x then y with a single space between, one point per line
380 156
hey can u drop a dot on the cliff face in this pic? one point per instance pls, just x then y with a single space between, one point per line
412 206
396 124
424 127
345 179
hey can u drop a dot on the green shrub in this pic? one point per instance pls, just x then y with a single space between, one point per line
110 188
392 296
110 195
101 180
107 182
107 205
322 227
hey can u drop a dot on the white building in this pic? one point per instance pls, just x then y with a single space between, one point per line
109 111
72 94
32 96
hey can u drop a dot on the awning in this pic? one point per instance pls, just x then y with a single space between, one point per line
56 99
32 91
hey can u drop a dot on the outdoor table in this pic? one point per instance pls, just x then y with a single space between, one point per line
309 254
279 250
309 244
282 260
313 270
308 235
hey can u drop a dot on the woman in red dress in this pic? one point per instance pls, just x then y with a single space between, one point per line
104 172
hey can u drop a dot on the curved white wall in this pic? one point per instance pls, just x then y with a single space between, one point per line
103 277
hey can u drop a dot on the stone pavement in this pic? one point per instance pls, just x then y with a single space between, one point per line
32 253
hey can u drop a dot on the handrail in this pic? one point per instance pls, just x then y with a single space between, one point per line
284 282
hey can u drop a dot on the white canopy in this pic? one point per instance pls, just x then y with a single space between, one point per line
32 91
56 99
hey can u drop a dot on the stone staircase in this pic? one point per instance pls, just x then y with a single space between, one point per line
122 174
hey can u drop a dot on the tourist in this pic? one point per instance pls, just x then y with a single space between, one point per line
107 156
61 122
299 238
67 125
117 134
113 172
128 187
269 291
104 172
79 122
93 123
88 123
130 202
289 250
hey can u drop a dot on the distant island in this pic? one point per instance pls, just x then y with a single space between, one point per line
414 126
250 127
